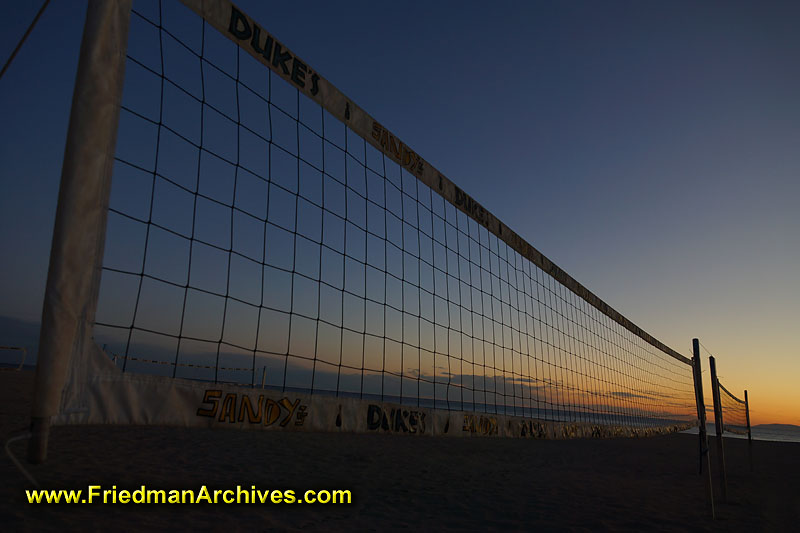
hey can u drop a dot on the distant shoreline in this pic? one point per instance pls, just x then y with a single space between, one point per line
762 432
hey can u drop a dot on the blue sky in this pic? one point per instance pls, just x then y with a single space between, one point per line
649 149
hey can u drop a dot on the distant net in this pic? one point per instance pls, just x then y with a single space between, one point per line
255 239
12 357
734 412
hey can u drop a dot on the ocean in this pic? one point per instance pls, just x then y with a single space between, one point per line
771 432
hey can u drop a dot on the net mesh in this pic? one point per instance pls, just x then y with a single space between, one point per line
734 412
254 239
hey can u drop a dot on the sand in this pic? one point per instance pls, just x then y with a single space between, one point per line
397 482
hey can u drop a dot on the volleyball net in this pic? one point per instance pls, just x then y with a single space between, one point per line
735 417
268 255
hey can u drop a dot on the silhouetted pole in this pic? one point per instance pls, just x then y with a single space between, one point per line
749 435
701 417
718 424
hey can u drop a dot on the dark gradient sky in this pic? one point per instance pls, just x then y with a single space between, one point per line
652 150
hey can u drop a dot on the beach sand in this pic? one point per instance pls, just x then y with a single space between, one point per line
397 482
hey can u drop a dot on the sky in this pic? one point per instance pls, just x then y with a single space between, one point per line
651 150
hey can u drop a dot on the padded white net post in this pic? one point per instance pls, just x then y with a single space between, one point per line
73 277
